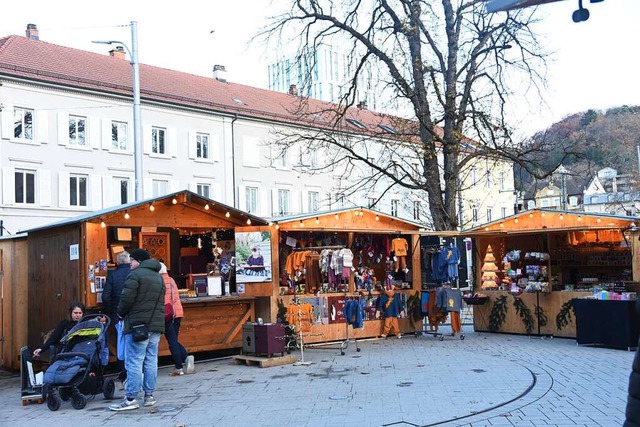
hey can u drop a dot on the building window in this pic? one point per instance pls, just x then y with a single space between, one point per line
488 182
202 145
503 181
283 202
121 187
340 200
313 158
159 187
416 209
474 214
158 140
77 131
23 124
474 176
203 190
282 159
119 136
371 202
25 187
314 201
503 211
78 190
394 207
531 204
489 212
252 199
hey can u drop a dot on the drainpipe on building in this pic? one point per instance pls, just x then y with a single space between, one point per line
233 162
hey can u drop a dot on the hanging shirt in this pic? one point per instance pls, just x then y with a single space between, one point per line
399 246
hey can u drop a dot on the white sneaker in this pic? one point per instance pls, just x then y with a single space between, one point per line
125 405
190 362
149 401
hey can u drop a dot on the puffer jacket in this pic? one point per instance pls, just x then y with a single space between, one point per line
143 290
171 289
633 399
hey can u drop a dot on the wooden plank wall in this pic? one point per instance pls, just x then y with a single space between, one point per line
14 307
54 280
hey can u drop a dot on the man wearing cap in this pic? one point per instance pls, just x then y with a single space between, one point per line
142 301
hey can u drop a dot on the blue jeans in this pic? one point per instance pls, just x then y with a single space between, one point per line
178 352
141 357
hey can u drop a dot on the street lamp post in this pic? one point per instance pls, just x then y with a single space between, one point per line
137 123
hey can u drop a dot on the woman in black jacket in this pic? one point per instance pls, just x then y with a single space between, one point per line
633 399
76 311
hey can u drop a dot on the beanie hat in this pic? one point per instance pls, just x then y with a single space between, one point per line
140 255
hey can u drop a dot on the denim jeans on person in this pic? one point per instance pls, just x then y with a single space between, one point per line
141 357
178 352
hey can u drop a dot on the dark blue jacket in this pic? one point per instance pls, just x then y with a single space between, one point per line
393 309
113 287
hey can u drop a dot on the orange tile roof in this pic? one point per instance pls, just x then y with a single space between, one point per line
46 62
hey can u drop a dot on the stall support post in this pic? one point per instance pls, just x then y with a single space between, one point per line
416 279
351 286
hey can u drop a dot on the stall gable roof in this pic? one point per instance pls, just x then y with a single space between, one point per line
539 220
186 201
347 219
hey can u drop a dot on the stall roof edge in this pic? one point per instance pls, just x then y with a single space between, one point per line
303 216
255 220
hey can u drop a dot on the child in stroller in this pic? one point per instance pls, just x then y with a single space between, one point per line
77 371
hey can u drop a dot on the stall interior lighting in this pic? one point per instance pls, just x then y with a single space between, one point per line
206 207
248 221
151 207
126 215
174 201
301 223
102 224
317 220
228 214
377 217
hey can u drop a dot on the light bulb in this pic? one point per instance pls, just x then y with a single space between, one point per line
377 218
301 223
126 215
317 220
277 226
151 207
248 221
227 214
206 207
174 201
102 224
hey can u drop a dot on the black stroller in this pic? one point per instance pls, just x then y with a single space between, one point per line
77 371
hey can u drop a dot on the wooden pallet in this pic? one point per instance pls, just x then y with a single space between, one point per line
264 362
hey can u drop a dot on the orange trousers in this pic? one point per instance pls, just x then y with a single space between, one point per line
456 326
390 323
400 263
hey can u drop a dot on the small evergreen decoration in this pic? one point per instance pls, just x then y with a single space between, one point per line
282 312
524 313
564 315
498 313
541 316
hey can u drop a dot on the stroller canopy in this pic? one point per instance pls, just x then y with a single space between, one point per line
87 329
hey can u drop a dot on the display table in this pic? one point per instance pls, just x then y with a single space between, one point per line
608 323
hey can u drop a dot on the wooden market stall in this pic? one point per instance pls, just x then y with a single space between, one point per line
195 237
533 264
304 241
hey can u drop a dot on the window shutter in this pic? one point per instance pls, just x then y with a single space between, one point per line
172 135
242 197
7 121
63 132
294 202
42 125
8 185
96 191
148 188
274 202
107 195
44 187
192 144
63 189
106 135
264 202
294 156
95 132
215 147
146 139
305 202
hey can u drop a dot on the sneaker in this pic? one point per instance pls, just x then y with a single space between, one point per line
190 362
399 336
383 336
149 401
176 373
126 405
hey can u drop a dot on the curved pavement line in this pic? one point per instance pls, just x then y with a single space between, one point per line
537 381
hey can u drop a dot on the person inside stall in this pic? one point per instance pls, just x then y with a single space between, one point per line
52 343
255 263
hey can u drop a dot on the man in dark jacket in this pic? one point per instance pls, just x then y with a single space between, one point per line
111 298
142 301
632 413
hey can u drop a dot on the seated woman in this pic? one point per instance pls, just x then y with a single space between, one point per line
255 263
76 311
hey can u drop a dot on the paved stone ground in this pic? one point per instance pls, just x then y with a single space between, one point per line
483 380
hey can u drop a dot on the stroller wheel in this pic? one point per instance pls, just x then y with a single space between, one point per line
53 402
78 401
108 388
65 393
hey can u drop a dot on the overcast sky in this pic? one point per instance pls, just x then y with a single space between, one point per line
595 64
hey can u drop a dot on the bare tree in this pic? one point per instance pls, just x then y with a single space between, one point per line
454 67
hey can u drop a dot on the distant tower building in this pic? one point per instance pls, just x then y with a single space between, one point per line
322 75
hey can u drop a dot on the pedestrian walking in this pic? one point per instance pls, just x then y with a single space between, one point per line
141 306
172 320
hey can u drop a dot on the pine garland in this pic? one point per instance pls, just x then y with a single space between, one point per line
564 315
498 313
524 313
541 316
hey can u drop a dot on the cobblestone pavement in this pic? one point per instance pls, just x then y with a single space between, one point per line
483 380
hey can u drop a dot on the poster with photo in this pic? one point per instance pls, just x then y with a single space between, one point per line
253 257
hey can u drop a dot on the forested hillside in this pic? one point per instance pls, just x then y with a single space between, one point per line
590 141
